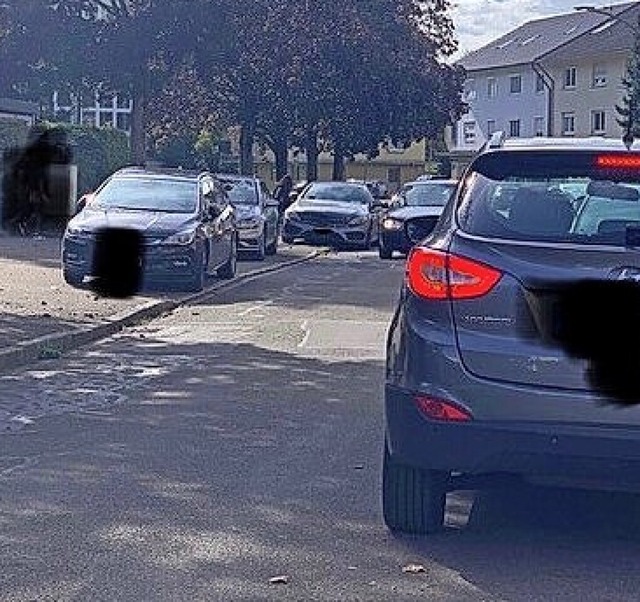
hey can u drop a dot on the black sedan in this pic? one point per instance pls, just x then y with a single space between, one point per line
257 214
185 218
422 198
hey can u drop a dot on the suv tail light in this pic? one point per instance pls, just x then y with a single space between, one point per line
435 274
441 410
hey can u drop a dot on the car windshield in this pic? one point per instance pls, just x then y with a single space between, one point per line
241 192
427 195
149 194
349 193
582 205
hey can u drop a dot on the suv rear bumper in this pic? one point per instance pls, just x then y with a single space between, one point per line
593 456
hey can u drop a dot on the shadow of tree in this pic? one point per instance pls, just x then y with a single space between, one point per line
197 472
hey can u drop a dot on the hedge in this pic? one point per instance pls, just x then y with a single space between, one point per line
97 153
13 134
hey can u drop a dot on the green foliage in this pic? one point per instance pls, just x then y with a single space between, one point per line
13 133
178 151
629 111
347 75
97 153
190 151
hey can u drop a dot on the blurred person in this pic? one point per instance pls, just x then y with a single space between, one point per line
282 191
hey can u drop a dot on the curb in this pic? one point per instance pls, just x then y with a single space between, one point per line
53 346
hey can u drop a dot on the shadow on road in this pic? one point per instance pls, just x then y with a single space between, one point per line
179 472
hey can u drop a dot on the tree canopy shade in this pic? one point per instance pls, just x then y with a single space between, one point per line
340 76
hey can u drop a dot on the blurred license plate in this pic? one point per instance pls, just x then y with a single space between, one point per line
322 230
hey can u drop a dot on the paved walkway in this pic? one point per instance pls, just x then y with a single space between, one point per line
35 301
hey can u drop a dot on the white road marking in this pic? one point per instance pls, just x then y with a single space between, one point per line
307 333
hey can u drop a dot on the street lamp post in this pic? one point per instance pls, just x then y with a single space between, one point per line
627 137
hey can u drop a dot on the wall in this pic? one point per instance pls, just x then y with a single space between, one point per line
586 97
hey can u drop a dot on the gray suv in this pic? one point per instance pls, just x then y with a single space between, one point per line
506 355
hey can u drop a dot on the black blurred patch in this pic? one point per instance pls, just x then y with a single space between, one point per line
598 321
29 183
117 263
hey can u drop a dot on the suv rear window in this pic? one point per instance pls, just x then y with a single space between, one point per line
584 197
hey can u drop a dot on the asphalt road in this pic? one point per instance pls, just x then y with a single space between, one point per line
239 440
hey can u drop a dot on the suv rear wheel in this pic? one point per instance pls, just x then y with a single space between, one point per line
413 500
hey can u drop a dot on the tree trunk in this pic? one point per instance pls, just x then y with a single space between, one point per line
138 128
281 152
338 163
311 148
246 148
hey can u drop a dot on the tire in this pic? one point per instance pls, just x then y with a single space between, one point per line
228 269
72 278
413 500
366 245
383 251
261 252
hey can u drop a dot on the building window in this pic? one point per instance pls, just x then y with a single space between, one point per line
515 84
538 126
89 117
598 122
469 132
570 77
514 128
491 127
568 124
124 121
470 92
393 175
539 84
599 76
492 87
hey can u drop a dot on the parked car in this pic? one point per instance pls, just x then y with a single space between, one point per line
378 188
185 218
427 198
338 213
476 386
256 214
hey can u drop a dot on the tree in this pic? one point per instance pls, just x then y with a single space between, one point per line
629 110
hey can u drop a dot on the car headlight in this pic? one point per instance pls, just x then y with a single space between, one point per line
292 215
389 223
358 220
180 238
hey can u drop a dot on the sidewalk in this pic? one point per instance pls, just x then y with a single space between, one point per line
36 303
34 299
